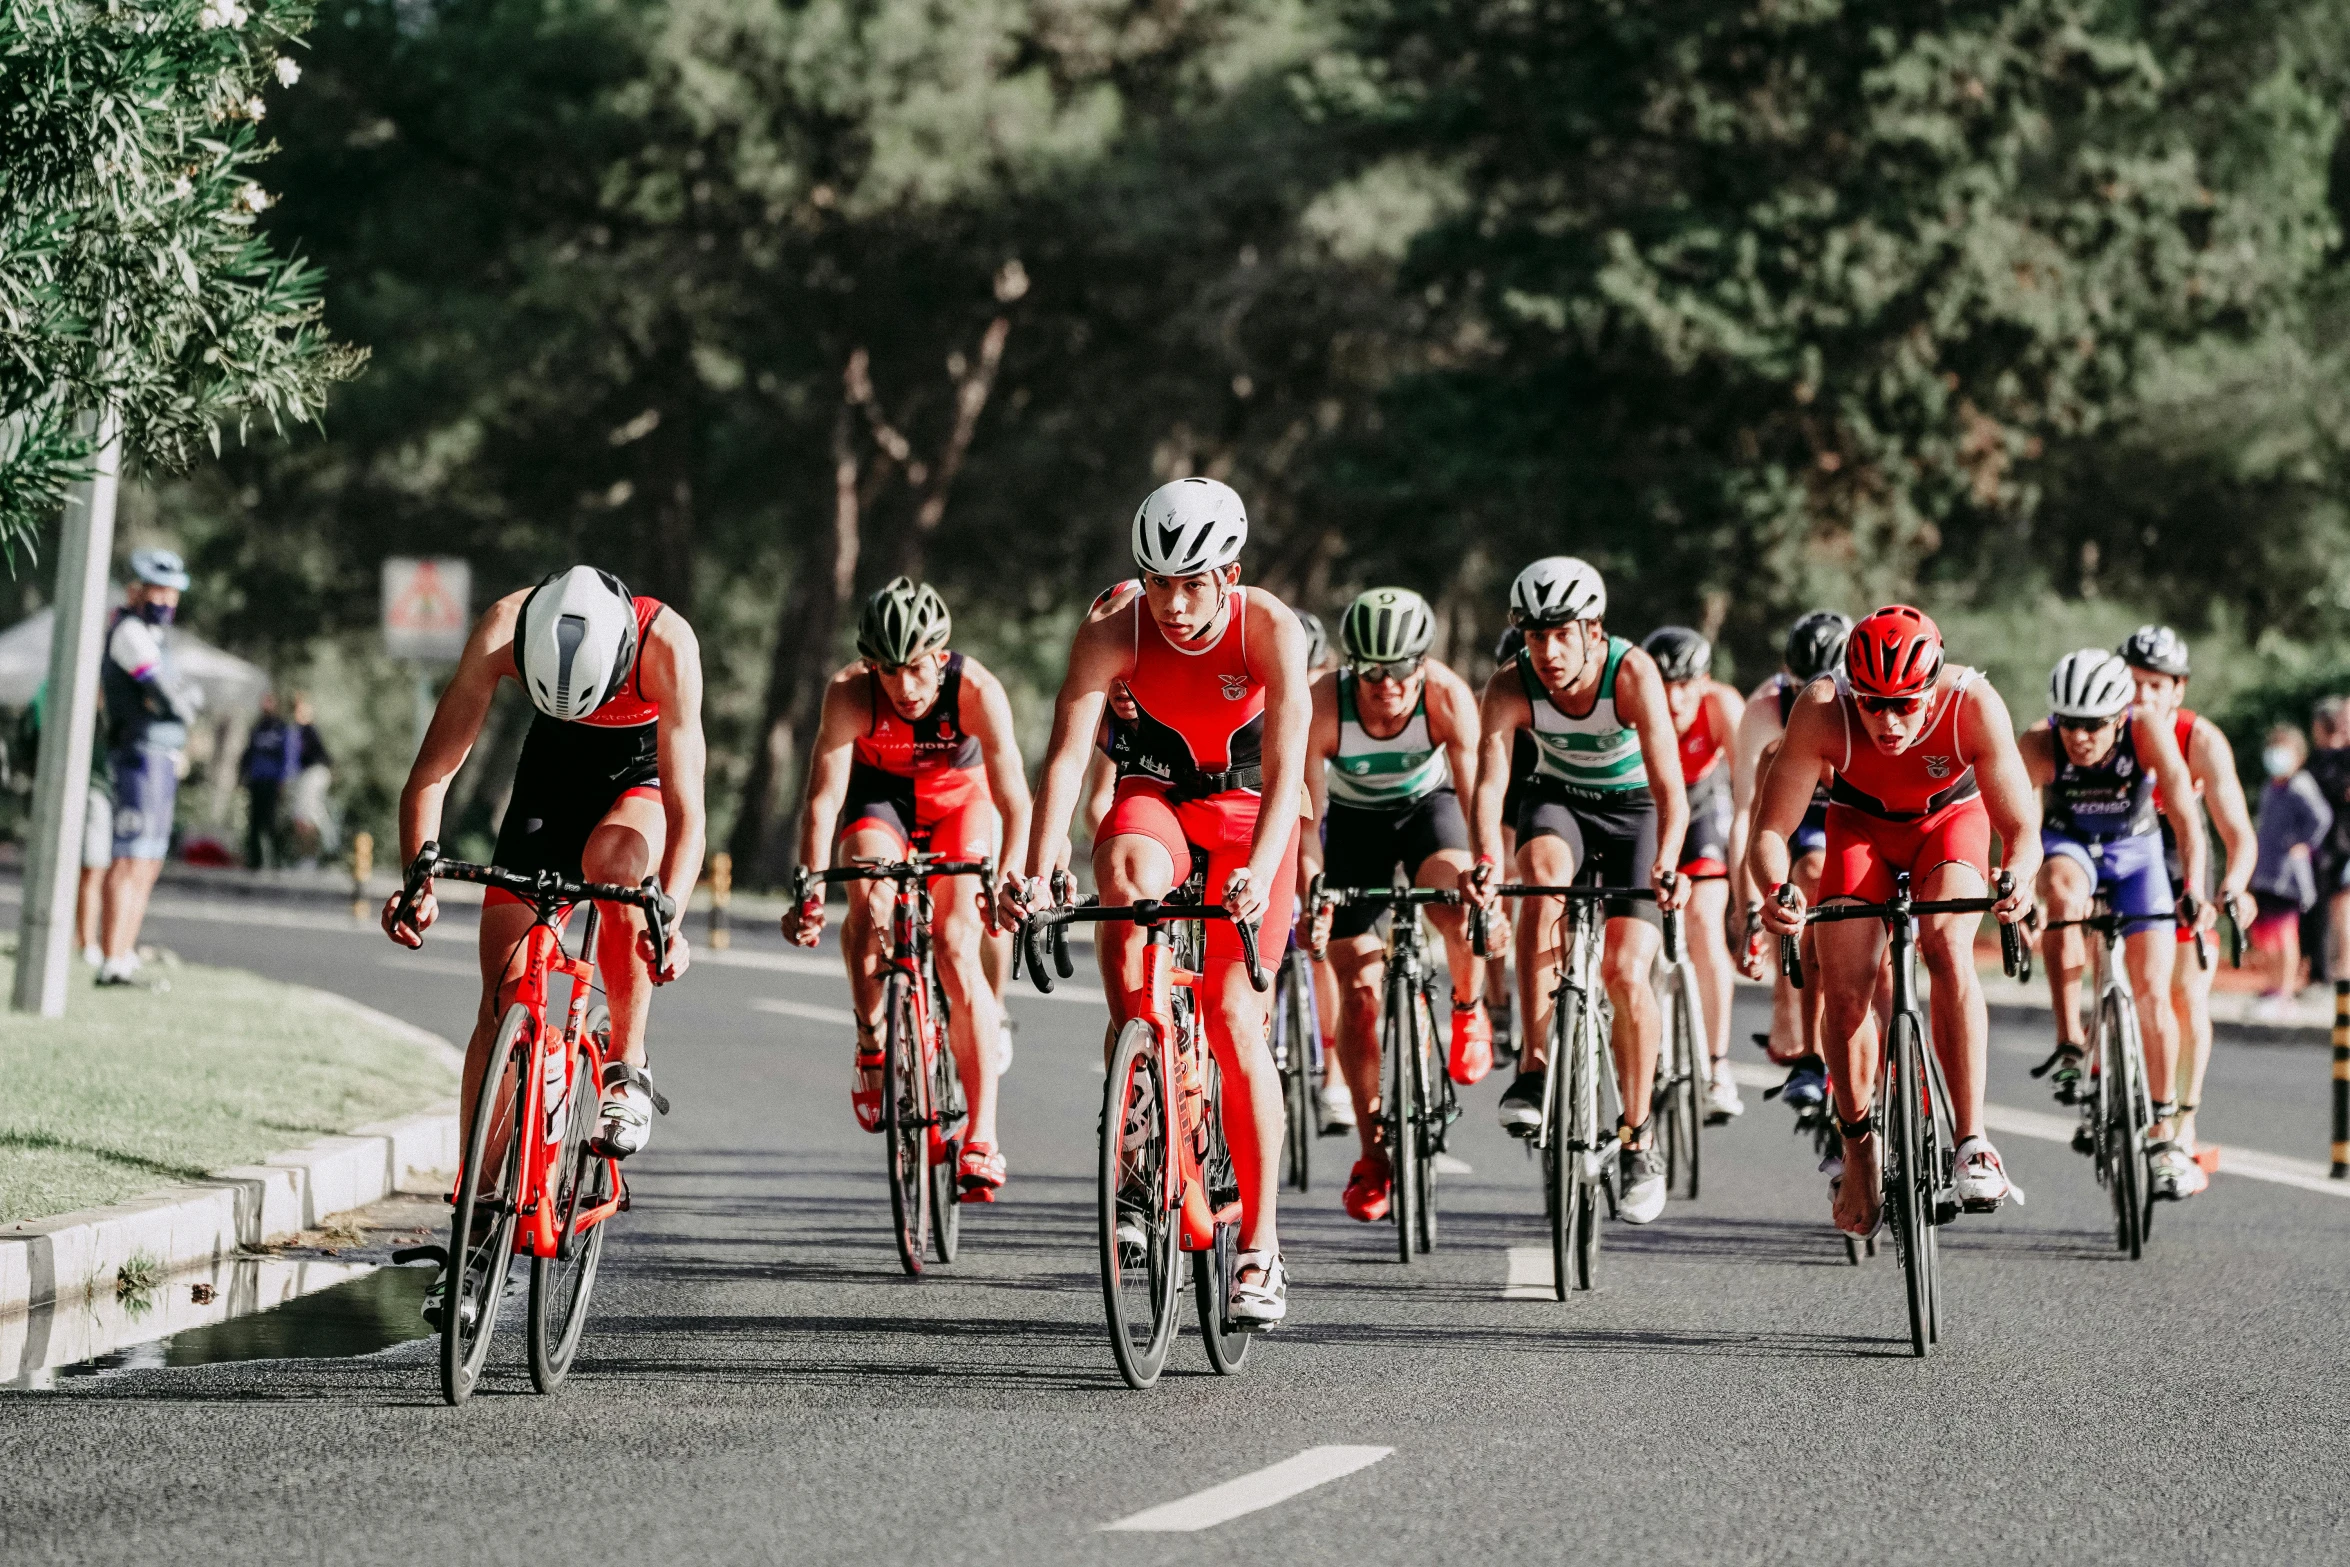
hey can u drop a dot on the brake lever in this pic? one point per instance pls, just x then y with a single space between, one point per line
1790 947
1248 950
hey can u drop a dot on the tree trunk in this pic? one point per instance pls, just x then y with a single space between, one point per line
971 394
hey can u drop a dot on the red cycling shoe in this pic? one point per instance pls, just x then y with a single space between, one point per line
1472 1043
980 1172
865 1094
1369 1189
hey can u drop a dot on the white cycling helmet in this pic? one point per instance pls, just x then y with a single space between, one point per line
575 641
2091 683
1189 526
1556 591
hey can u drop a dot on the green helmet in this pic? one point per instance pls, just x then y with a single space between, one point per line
1387 626
902 622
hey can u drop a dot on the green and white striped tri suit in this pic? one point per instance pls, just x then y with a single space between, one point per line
1589 787
1392 804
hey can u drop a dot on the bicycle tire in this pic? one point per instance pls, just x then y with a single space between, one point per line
1684 1115
1212 1270
1427 1125
2125 1135
1572 1209
1137 1141
1296 1014
1590 1180
561 1285
1904 1156
946 1196
905 1140
1400 1114
477 1272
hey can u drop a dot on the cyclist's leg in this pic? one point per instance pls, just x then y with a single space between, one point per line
2067 879
1504 945
1795 1014
2190 1005
1953 861
1708 945
1140 853
974 1015
505 922
1550 852
1236 1015
1851 953
624 849
1624 968
2140 892
1359 963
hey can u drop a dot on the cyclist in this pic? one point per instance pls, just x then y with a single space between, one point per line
608 789
1605 791
914 750
1921 766
1212 762
1815 647
2098 835
1706 716
2157 657
1388 799
1500 997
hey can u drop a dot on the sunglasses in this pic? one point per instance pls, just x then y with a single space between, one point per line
2083 726
1899 706
1400 670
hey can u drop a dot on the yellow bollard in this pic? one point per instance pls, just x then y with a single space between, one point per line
721 892
362 863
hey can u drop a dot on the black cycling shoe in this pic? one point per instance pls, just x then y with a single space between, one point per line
1521 1105
2063 1071
2084 1138
1806 1087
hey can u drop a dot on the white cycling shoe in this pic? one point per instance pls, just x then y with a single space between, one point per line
1722 1103
624 1119
1263 1302
2176 1174
1337 1106
1981 1180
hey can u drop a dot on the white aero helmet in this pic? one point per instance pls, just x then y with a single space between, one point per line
1189 526
1556 591
2090 683
575 641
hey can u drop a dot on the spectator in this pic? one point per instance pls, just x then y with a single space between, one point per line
2329 766
148 709
273 759
309 816
2295 820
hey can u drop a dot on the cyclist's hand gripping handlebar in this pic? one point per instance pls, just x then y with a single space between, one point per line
2015 950
660 918
418 882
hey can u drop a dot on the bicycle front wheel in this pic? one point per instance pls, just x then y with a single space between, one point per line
905 1093
1574 1207
2125 1129
1212 1270
1906 1177
946 1096
560 1285
481 1231
1401 1113
1140 1230
1427 1122
1295 1018
1679 1081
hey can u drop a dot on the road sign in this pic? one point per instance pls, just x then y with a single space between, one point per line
428 607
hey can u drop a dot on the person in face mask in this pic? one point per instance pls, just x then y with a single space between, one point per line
2294 820
149 707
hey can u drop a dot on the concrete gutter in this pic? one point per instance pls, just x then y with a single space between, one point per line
76 1255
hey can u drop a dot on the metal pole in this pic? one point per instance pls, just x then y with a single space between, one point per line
69 721
2341 1169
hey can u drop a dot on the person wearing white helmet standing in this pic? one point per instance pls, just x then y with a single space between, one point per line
608 789
1213 759
2098 835
1605 792
149 706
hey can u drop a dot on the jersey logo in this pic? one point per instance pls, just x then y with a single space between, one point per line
1937 767
1235 687
946 731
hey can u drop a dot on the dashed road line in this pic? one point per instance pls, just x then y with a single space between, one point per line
1530 1275
1447 1164
807 1010
1316 1466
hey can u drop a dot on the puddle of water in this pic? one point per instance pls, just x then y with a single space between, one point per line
243 1309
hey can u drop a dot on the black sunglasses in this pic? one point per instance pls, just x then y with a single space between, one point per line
1399 670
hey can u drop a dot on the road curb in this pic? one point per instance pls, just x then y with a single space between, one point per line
78 1254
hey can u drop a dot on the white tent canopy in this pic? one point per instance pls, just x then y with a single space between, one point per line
232 687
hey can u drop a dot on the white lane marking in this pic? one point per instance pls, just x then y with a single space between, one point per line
2302 1174
1530 1276
1251 1492
417 963
805 1009
1446 1164
830 967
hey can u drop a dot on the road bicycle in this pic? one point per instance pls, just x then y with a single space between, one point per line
922 1103
547 1192
1683 1061
1297 1047
1416 1103
1165 1181
1916 1137
1580 1150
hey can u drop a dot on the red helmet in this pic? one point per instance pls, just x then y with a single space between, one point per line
1895 652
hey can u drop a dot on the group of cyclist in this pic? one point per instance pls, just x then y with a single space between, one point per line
1193 714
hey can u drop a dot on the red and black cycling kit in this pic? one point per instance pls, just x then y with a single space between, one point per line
1190 767
572 772
1911 810
2182 730
1705 774
921 780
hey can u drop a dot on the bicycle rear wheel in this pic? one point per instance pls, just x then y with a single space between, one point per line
2125 1131
1573 1200
1140 1268
560 1285
1397 1047
946 1095
1675 1105
1904 1156
1427 1124
905 1092
481 1231
1294 1017
1212 1270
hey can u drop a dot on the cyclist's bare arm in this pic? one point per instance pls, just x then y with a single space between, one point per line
1102 653
2158 750
989 721
1640 701
1758 727
1276 655
669 670
456 723
837 723
1814 741
1453 724
2037 746
1501 712
1986 737
1321 746
2212 761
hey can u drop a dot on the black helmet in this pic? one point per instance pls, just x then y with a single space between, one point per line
2156 648
1815 644
1317 639
1512 643
1680 653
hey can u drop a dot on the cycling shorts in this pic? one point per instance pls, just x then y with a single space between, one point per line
2128 870
1705 850
1864 851
1364 846
1220 826
1617 836
146 789
947 813
567 781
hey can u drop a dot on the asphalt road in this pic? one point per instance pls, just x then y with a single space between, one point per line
762 1384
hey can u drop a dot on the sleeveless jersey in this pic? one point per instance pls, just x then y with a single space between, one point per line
1701 749
1384 774
936 742
2111 799
1199 722
1597 754
2183 731
616 745
1917 782
629 706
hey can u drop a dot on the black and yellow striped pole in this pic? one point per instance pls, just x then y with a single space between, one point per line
2341 1169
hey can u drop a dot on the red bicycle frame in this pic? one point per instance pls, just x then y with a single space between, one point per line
540 1233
